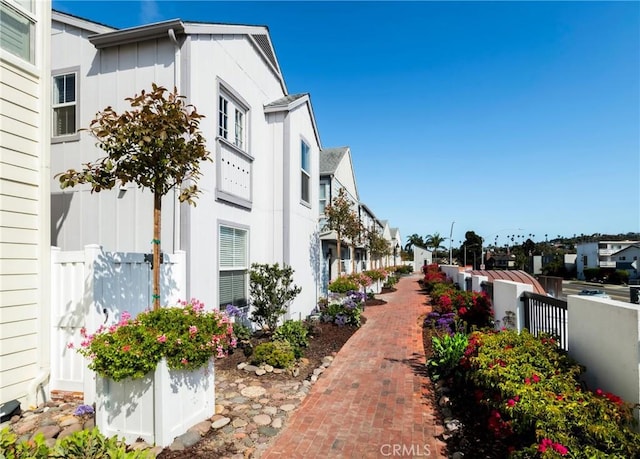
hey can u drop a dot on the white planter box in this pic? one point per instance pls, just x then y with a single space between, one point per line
375 287
156 408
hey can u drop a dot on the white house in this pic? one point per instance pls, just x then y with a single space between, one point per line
628 259
599 254
396 246
421 257
262 183
24 199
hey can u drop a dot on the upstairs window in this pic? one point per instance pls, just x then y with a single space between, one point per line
324 195
232 118
305 172
17 29
64 104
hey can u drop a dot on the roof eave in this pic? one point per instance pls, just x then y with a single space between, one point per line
137 34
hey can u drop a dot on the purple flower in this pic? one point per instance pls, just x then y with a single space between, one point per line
83 409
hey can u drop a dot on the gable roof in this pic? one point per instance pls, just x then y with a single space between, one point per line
106 37
330 159
292 101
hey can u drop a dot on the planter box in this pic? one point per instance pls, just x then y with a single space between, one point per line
156 408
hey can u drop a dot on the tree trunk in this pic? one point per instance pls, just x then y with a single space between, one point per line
339 256
157 210
353 258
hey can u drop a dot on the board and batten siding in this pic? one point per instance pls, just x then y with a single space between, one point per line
24 215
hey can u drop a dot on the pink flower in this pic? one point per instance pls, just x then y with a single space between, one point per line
126 348
535 378
560 449
184 361
161 338
511 403
70 346
193 330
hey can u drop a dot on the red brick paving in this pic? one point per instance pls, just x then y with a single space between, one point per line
370 403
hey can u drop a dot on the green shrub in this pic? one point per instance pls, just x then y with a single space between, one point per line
592 274
271 290
343 284
619 276
390 282
295 333
85 444
278 354
241 331
346 310
447 352
534 400
404 269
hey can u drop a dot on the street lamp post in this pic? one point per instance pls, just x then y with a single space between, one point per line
450 235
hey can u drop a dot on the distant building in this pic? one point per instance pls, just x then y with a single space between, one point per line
603 254
421 256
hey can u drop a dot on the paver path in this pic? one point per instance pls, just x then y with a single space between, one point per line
370 403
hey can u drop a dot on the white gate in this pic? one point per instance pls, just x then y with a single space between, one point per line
91 287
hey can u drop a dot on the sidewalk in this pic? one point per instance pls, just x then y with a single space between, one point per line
370 402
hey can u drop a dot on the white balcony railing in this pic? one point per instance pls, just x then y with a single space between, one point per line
605 252
234 170
607 264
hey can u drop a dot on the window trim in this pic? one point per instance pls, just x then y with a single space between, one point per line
65 137
231 225
30 16
308 173
234 102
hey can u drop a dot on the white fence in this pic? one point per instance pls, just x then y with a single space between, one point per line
91 287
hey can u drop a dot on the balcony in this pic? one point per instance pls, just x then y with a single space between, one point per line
606 252
234 174
607 264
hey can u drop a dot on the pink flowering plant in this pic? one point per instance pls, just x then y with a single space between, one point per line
534 399
186 335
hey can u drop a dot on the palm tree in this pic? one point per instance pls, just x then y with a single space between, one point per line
412 240
435 242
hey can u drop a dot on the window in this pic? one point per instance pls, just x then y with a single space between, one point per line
17 29
233 267
305 172
324 195
223 117
239 129
64 104
236 132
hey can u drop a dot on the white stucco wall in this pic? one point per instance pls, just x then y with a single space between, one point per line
604 336
506 297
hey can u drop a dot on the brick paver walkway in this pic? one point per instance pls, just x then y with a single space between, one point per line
370 402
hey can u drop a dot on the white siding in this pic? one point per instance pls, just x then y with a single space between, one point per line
24 214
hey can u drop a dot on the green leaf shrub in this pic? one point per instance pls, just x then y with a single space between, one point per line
85 444
344 309
447 352
343 284
534 399
295 333
272 289
278 354
403 269
377 274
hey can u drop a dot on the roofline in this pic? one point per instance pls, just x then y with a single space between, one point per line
305 99
80 23
136 34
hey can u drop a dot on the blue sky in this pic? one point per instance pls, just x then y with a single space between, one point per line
495 115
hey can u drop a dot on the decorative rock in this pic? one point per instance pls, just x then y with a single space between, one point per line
140 446
49 431
239 422
276 423
220 423
457 455
314 378
220 409
68 420
26 427
253 391
268 368
444 401
295 372
189 438
262 419
176 445
241 365
278 371
260 372
250 368
318 371
268 431
270 410
453 425
69 430
202 428
328 359
288 407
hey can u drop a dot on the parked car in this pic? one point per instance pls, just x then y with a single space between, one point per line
598 293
